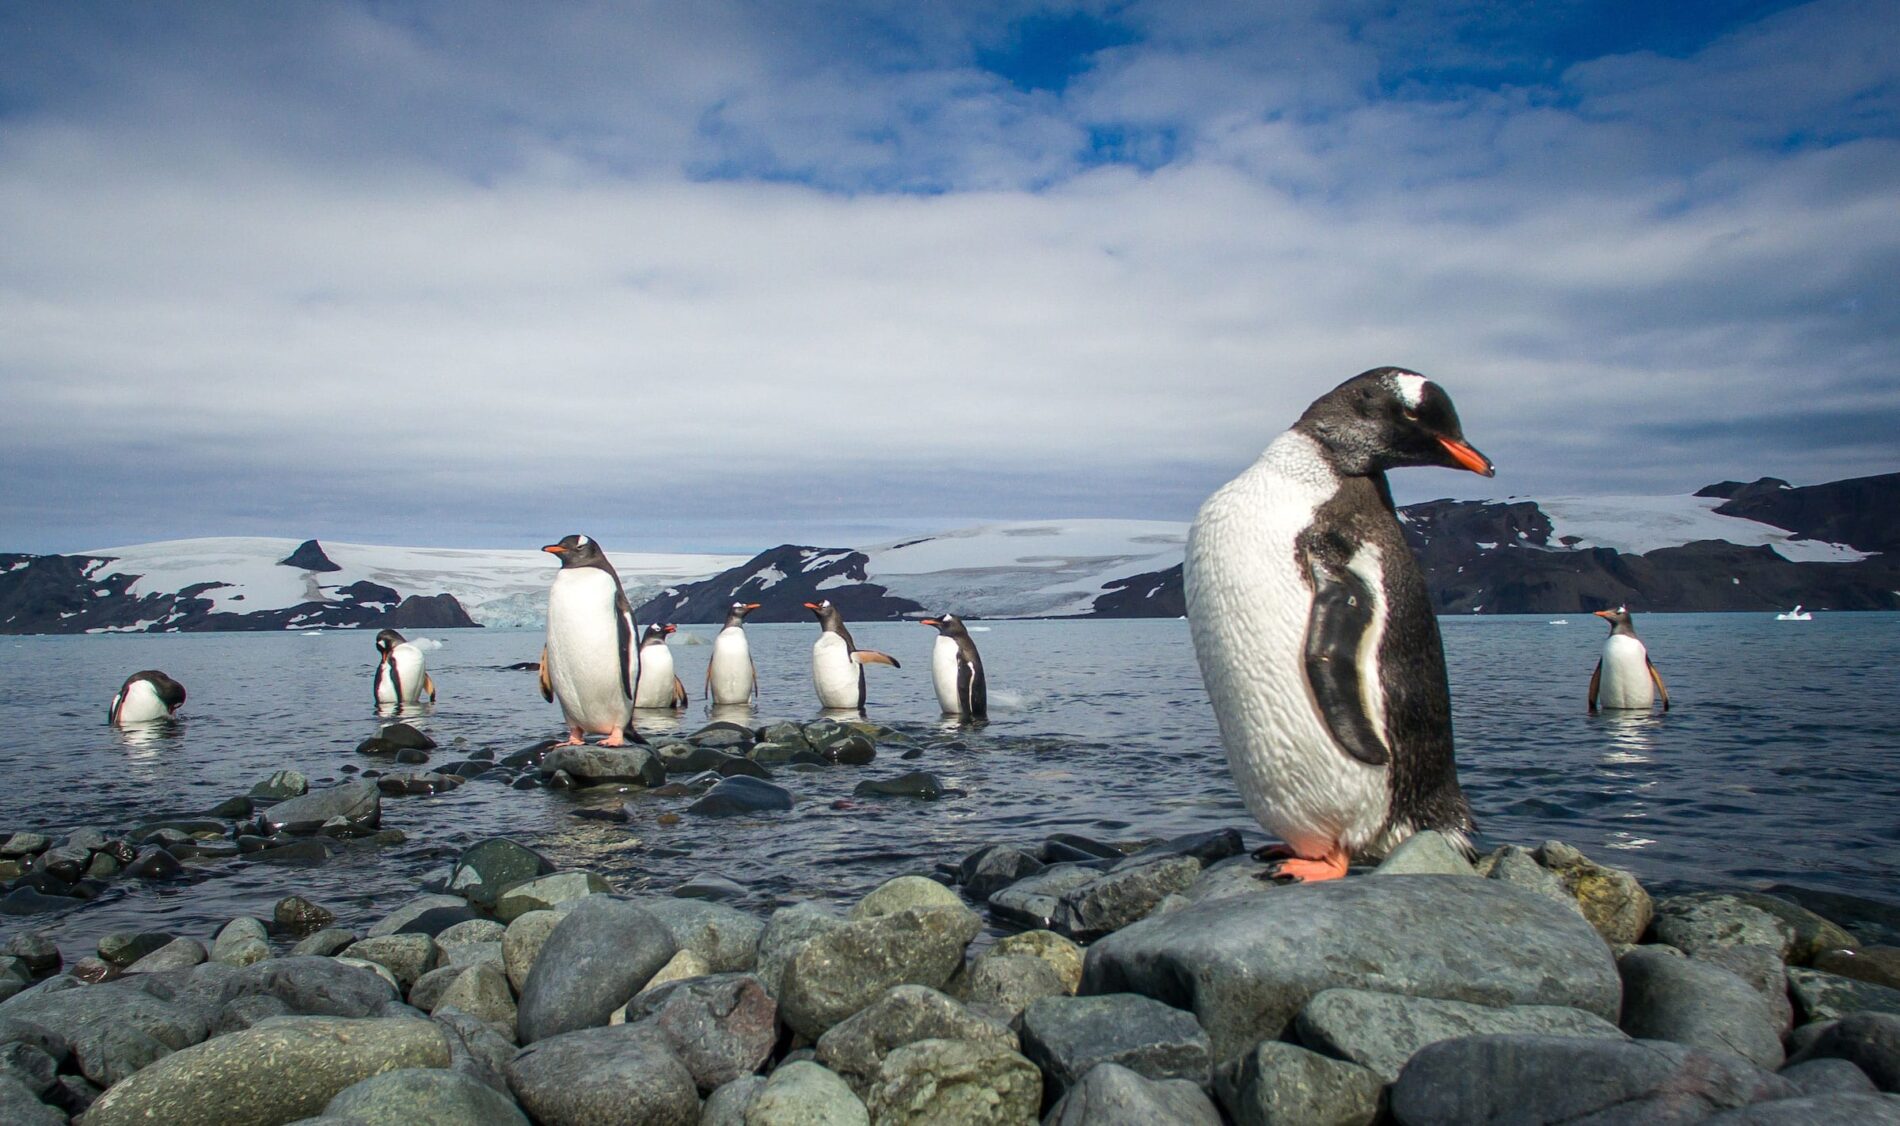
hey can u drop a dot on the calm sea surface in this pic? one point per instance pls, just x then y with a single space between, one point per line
1780 762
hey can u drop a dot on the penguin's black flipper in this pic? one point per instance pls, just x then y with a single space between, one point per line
1661 688
547 686
1341 615
1596 680
623 620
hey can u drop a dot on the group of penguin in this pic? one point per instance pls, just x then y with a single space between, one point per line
1310 618
591 667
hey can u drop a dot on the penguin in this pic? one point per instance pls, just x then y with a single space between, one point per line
399 677
731 677
589 663
957 670
146 696
1625 674
1315 635
658 686
837 664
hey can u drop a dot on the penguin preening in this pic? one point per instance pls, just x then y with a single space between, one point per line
1315 633
731 677
659 686
956 669
146 696
1625 675
837 664
589 664
400 676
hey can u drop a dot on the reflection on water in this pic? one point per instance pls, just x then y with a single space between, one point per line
1632 735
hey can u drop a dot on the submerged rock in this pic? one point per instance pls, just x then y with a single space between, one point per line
357 803
488 868
742 794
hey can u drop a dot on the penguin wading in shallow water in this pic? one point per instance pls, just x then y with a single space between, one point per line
957 670
1315 633
400 676
1625 675
146 696
731 677
837 664
659 686
589 664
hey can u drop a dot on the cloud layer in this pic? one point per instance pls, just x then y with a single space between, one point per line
474 274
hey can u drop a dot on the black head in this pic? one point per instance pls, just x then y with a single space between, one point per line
577 551
388 639
169 691
947 624
1619 619
736 615
826 613
1388 418
656 634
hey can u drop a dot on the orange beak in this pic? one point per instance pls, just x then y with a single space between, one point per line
1467 457
929 622
811 605
1600 613
751 606
669 629
555 549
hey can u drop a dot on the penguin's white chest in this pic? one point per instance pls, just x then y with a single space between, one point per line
943 674
731 677
141 704
655 688
834 674
409 670
1625 682
1248 609
584 650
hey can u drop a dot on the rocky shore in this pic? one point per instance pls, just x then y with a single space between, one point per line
1154 982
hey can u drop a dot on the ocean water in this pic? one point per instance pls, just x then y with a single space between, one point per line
1777 765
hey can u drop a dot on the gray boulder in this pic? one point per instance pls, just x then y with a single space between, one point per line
1245 965
283 1069
1611 898
1824 996
1277 1082
1121 896
488 868
616 1076
727 938
359 804
721 1027
326 943
785 932
407 916
1066 1036
1380 1031
111 1030
1765 974
1520 1078
596 766
1006 984
727 1105
1426 853
406 956
841 970
740 795
1828 1077
954 1082
482 992
1698 1003
424 1097
19 1106
906 1014
992 868
548 891
1112 1095
241 942
1815 1110
1871 1041
178 954
802 1093
1702 920
594 960
1034 900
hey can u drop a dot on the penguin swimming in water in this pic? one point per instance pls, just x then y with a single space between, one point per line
1315 633
1625 675
400 677
837 664
957 670
146 696
731 677
658 686
589 664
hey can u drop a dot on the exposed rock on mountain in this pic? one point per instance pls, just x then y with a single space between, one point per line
309 556
782 580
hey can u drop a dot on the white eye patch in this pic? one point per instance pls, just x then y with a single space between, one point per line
583 541
1411 389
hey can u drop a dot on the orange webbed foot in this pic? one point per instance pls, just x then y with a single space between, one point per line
1305 870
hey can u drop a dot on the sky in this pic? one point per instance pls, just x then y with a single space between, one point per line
715 276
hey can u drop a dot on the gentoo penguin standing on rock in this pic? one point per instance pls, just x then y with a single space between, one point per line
1315 632
837 664
731 677
400 677
659 686
589 664
1624 674
146 696
957 670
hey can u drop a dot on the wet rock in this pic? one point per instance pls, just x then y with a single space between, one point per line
281 786
406 736
1703 920
727 938
1279 1082
1066 1036
25 844
94 970
709 887
425 914
26 901
406 956
154 863
1059 847
31 1067
1824 996
324 943
357 803
488 868
122 948
1033 900
242 941
1425 853
721 1027
618 1076
783 732
1247 964
1698 1003
839 971
856 1046
424 1097
596 766
1112 1095
992 868
1380 1031
1557 1079
1812 934
592 963
1879 965
955 1081
281 1070
403 784
919 784
852 750
376 745
1871 922
317 986
178 954
740 795
1764 973
684 758
548 891
35 948
896 895
805 1094
296 915
409 756
1611 898
1516 866
304 853
1121 896
1871 1041
482 992
785 933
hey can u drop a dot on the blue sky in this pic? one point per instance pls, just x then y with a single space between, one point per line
718 275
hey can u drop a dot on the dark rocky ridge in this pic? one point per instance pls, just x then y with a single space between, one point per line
781 581
309 556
